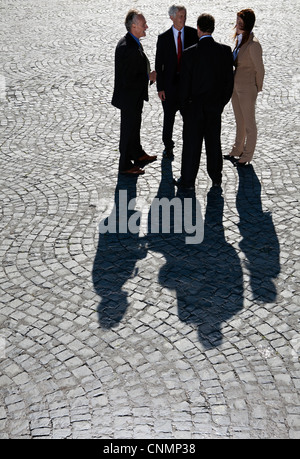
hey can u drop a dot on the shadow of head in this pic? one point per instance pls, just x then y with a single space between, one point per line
117 254
207 277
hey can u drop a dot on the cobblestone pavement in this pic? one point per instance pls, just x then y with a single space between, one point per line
141 335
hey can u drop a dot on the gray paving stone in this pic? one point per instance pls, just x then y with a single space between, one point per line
141 336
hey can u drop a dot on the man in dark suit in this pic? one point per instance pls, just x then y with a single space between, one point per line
132 77
170 46
206 87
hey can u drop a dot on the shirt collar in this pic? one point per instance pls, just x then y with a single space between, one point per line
136 39
204 36
175 31
239 39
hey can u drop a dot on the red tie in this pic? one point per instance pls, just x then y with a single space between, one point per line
179 51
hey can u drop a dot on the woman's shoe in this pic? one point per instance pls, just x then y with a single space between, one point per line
240 164
230 157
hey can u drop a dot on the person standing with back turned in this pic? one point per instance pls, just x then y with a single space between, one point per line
170 46
206 87
132 77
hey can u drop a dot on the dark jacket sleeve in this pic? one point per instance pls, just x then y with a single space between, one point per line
159 65
186 76
228 75
131 79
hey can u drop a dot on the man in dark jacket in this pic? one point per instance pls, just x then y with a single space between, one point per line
206 87
132 77
170 46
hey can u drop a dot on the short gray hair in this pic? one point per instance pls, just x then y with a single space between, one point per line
173 10
131 18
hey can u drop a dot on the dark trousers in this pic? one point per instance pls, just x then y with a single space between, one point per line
170 109
170 106
130 140
201 124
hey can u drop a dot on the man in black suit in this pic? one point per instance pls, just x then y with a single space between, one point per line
206 87
132 77
170 46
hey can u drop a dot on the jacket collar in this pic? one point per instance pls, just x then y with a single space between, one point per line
205 40
132 40
245 45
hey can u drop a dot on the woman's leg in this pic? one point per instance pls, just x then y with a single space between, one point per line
240 136
247 104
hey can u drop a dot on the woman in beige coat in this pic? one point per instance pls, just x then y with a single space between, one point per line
248 82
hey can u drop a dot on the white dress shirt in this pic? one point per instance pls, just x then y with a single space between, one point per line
237 48
175 33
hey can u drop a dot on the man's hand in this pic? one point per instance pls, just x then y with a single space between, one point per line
152 77
162 95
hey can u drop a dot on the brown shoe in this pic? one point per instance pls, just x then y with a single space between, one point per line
146 159
134 171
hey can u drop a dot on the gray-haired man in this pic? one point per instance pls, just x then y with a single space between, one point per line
132 77
170 46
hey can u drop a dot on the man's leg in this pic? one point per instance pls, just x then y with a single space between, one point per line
192 146
130 144
170 108
212 136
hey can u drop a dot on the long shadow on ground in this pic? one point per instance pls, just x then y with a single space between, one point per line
207 276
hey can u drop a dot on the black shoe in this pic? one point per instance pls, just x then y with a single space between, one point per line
168 153
182 186
238 164
216 188
231 159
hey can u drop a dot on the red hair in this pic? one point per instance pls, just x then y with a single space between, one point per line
248 17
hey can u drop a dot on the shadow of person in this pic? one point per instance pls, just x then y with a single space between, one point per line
206 276
260 242
117 253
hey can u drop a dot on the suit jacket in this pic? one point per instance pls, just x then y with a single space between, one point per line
131 74
249 66
207 75
166 59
